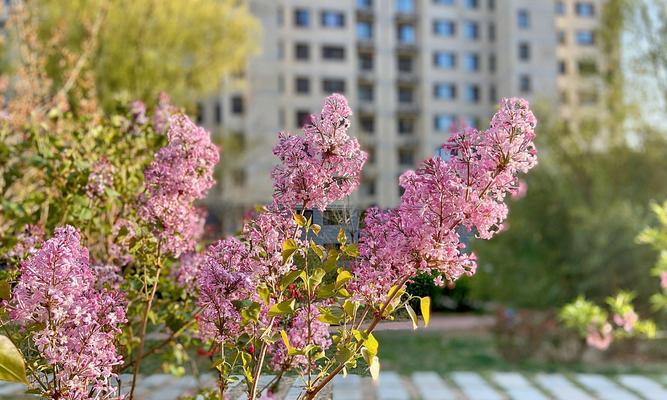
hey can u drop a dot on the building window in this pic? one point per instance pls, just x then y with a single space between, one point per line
471 30
493 94
471 4
332 19
301 51
366 62
492 4
472 93
524 51
405 126
239 177
404 64
333 53
302 118
444 28
364 30
368 186
587 67
444 91
237 105
301 17
585 9
525 84
523 19
366 93
218 112
333 86
406 95
471 62
442 122
587 97
444 2
367 124
407 34
562 37
302 85
560 8
405 6
471 121
200 113
444 59
371 155
492 32
562 67
492 62
406 156
364 4
585 38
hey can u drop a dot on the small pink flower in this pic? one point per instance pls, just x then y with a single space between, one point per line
663 280
520 191
600 338
626 321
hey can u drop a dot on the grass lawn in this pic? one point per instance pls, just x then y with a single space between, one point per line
406 352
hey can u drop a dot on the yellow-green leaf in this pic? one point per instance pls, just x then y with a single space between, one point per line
12 366
412 314
290 246
316 229
5 290
300 219
283 308
374 368
343 276
342 237
425 305
285 339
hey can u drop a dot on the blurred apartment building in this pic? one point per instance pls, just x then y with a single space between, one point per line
410 68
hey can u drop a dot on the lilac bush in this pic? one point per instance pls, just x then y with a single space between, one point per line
274 297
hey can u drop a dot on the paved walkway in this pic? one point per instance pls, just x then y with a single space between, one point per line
460 385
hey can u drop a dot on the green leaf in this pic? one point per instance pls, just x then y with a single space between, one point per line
350 307
285 339
331 262
351 250
317 249
12 366
342 237
412 314
263 292
425 305
299 219
289 278
283 308
290 246
342 277
371 344
374 368
316 278
5 290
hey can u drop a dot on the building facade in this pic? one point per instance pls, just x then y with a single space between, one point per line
410 69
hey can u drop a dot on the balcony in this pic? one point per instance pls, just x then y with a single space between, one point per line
407 78
407 48
407 109
365 14
406 16
366 45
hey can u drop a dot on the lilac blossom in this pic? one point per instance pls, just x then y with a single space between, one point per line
322 166
76 323
181 173
27 241
100 178
465 191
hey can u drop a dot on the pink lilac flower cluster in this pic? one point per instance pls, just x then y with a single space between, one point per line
181 173
188 268
600 336
107 276
298 338
626 321
163 112
76 324
100 178
467 190
265 235
663 279
321 166
27 241
224 277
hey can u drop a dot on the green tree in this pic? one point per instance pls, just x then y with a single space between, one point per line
574 233
136 49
